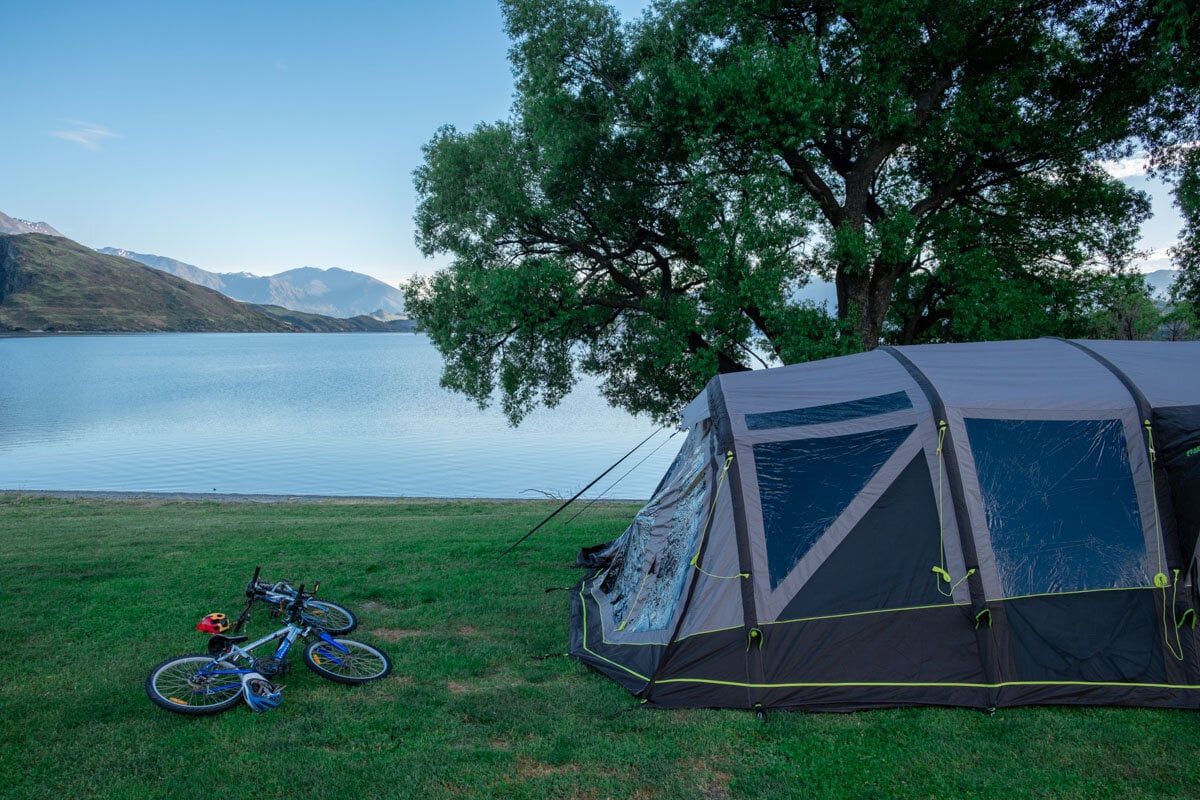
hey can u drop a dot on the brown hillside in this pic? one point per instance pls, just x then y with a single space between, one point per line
49 283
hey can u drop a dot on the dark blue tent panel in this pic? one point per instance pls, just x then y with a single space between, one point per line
871 570
805 484
834 412
1179 452
1062 515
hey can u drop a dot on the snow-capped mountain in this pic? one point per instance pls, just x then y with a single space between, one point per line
12 225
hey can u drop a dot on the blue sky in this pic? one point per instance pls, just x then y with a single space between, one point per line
257 136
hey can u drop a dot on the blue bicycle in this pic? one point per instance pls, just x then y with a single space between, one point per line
197 684
322 614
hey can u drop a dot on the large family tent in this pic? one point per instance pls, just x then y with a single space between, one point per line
980 525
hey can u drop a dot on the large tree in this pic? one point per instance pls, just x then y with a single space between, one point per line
662 189
587 234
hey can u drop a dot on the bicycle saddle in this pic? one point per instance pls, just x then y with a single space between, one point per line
219 641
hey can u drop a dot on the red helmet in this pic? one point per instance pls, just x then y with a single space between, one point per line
214 623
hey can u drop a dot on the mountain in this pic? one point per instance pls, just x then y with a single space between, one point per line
10 225
317 323
179 269
343 289
50 283
1160 282
331 292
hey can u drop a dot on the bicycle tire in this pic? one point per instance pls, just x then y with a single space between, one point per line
329 617
361 663
171 686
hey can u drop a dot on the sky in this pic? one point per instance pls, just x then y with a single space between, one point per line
259 136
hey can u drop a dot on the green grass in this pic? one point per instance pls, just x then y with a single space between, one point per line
95 593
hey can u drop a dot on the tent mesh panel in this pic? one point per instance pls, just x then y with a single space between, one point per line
646 576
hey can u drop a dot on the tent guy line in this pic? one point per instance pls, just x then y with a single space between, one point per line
578 494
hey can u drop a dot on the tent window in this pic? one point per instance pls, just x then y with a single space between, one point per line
648 572
884 560
663 592
805 485
833 412
1060 504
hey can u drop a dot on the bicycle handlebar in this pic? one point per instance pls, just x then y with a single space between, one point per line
252 587
297 604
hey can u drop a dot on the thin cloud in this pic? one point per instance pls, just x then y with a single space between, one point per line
87 134
1159 258
1127 167
1139 164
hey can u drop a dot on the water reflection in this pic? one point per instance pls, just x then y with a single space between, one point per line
336 414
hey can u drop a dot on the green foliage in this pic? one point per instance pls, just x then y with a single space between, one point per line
585 239
664 188
1125 310
1172 128
901 121
998 274
1180 322
1185 292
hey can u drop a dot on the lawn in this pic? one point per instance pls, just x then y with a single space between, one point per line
95 593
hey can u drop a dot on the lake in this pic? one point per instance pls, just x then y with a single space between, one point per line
294 414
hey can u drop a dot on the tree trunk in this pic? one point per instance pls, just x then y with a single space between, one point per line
863 298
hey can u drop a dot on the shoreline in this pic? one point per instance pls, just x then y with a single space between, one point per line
332 499
219 497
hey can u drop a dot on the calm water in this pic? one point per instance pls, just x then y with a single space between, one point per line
330 414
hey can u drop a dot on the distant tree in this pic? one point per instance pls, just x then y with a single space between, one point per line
1185 291
987 278
1171 129
663 189
1125 310
1180 322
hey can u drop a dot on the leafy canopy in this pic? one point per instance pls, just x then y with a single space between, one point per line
663 189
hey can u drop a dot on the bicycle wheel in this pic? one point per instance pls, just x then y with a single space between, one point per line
349 662
329 617
179 685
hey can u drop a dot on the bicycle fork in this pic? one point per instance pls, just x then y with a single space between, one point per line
333 653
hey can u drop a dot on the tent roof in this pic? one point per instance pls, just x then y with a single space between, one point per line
1034 373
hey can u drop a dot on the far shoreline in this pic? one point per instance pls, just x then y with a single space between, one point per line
219 497
9 334
330 499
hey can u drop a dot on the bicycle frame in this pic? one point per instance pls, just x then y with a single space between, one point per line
236 652
274 593
280 595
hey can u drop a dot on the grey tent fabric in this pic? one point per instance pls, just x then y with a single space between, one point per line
984 525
